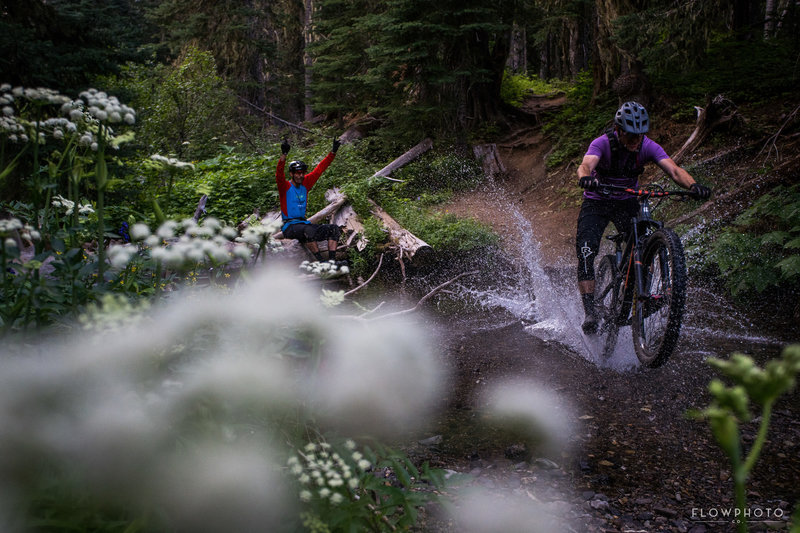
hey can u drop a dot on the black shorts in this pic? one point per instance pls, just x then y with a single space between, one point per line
592 221
312 232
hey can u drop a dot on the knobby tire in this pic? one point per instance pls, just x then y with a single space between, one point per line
607 303
657 314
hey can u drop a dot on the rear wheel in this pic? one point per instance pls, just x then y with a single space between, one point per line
658 312
606 293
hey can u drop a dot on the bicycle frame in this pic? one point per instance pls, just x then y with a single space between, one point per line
629 247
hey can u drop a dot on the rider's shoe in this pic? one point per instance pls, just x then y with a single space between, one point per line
590 322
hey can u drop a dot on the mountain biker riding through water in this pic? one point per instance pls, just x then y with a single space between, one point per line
294 200
617 158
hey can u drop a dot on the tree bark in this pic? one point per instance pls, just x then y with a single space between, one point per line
308 21
518 55
404 159
490 160
718 112
406 243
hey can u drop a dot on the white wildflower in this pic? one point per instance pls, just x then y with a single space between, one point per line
331 298
363 464
167 229
304 478
8 111
353 483
305 495
10 243
325 492
336 498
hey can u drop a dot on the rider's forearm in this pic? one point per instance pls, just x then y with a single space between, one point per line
683 178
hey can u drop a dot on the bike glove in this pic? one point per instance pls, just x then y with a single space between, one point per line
285 147
589 183
701 191
336 144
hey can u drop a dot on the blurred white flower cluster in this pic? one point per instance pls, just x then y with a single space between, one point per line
258 236
326 474
171 162
181 245
19 130
69 206
9 226
325 269
106 109
186 412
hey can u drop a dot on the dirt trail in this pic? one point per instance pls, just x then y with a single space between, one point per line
635 462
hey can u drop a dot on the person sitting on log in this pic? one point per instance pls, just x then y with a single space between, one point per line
293 192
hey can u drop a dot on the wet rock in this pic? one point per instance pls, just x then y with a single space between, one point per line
587 494
666 511
600 505
699 528
545 463
431 441
681 525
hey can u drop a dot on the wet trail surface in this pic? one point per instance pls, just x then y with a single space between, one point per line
635 461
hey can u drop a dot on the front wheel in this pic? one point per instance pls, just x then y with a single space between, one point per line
606 296
658 311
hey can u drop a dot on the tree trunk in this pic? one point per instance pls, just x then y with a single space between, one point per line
769 19
406 243
719 111
518 55
308 113
490 160
406 158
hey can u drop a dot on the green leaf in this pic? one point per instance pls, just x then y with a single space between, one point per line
777 237
790 266
794 244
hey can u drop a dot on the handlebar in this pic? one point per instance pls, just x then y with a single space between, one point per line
606 189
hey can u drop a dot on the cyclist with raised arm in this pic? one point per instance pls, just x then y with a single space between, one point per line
293 194
617 158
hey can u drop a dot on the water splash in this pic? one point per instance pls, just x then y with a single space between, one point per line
545 298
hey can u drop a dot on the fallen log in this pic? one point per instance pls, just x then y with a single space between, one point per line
406 243
718 112
347 218
404 159
487 155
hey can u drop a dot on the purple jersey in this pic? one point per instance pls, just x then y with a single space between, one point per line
650 151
